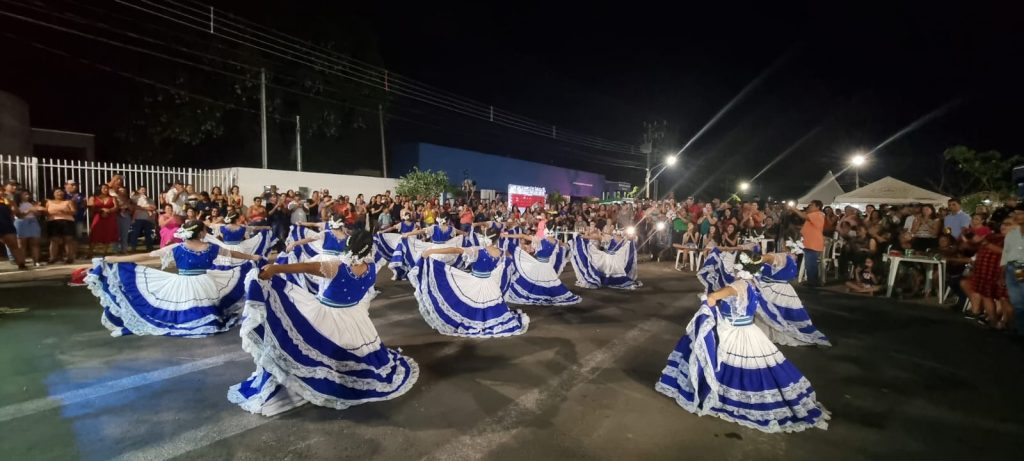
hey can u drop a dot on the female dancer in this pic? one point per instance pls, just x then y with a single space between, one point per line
536 277
327 244
726 367
457 303
386 244
242 239
783 317
320 348
614 267
438 233
197 301
103 229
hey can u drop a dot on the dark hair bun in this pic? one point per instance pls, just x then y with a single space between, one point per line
196 226
360 243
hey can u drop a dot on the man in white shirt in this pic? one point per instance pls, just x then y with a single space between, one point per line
176 197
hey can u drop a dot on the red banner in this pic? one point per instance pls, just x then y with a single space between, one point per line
526 201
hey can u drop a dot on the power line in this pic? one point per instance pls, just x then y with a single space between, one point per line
206 20
79 20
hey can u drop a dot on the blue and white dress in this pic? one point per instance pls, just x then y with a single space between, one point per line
783 317
197 301
408 251
386 247
535 280
725 366
319 348
459 303
438 235
326 246
613 268
259 243
507 244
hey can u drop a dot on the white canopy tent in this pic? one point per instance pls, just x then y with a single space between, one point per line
892 191
826 190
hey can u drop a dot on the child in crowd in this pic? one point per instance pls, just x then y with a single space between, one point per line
866 281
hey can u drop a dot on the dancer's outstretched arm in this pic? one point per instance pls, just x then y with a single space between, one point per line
305 268
721 294
442 251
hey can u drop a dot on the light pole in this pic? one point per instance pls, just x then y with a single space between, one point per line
668 161
744 186
857 161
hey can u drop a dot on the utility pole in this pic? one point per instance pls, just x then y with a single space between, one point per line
383 151
263 116
655 132
298 143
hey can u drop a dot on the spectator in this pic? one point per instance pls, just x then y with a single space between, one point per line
814 239
142 220
124 219
8 233
27 224
214 218
235 198
169 223
1012 261
925 229
103 229
956 221
987 282
175 196
257 213
831 221
866 280
60 227
72 194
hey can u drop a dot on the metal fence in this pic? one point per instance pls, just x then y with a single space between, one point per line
42 175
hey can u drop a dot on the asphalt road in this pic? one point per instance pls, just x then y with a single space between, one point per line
902 382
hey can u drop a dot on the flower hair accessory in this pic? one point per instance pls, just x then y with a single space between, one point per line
744 275
336 224
185 233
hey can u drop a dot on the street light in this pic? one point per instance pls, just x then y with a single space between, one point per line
858 160
744 186
669 161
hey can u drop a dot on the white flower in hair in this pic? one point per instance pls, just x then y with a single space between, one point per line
745 259
744 275
336 224
185 233
737 267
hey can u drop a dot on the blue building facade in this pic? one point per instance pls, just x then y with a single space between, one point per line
493 171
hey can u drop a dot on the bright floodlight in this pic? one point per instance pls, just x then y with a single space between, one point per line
858 160
660 226
744 186
670 160
791 203
630 230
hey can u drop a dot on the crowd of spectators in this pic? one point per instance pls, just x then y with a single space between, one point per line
848 241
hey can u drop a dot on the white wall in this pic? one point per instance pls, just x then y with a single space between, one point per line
251 181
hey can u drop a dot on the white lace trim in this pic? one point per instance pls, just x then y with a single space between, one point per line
120 307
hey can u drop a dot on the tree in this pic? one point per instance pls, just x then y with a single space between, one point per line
556 199
987 171
427 184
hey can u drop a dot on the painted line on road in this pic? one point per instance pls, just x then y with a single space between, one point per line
502 427
18 410
29 407
197 438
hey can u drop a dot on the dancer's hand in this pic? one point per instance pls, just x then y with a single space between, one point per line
267 273
288 248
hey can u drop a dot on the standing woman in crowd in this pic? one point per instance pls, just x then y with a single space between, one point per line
169 224
125 211
8 233
731 237
987 283
257 213
27 224
103 228
60 227
235 198
925 229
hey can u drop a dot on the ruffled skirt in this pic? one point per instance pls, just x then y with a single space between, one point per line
784 319
259 244
457 303
595 268
737 374
536 282
140 300
305 351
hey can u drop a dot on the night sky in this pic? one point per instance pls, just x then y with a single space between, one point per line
840 78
